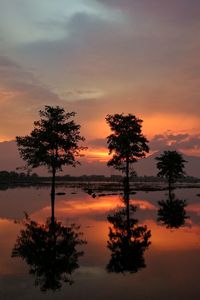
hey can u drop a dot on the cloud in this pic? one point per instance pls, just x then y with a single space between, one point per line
28 21
98 143
179 11
14 78
129 57
21 96
124 62
182 142
82 94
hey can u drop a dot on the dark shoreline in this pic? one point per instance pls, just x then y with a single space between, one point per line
100 187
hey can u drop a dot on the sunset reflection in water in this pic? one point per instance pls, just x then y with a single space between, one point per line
170 248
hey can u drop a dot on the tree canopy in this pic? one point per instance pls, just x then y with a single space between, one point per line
53 141
170 165
126 143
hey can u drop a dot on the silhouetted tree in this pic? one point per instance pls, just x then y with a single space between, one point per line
172 212
171 166
52 143
127 246
127 144
50 251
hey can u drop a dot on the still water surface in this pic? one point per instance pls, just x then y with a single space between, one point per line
172 260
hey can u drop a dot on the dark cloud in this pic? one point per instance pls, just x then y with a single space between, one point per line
5 62
141 65
175 141
22 95
179 11
14 78
158 69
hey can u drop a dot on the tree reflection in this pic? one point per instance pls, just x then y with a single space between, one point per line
127 242
172 212
50 251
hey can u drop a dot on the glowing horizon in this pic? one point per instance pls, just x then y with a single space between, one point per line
102 58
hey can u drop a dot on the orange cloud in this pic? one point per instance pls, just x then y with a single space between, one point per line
159 123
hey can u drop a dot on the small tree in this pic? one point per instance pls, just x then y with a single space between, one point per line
52 143
127 144
171 166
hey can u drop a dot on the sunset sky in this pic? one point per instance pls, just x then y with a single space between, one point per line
96 57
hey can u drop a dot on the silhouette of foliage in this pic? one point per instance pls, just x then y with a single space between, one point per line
50 251
172 212
127 245
127 144
171 166
52 143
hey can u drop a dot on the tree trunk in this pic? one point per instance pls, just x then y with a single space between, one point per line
170 187
53 195
126 196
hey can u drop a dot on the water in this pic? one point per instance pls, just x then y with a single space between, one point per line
172 260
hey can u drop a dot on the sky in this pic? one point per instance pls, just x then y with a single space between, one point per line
99 57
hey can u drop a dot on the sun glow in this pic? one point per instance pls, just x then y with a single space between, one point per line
160 123
96 154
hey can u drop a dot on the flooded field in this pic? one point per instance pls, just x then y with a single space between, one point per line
165 266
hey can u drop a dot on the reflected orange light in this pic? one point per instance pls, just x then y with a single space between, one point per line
195 207
87 211
84 209
8 234
90 206
184 238
144 204
79 207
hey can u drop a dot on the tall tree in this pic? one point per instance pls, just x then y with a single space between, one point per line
127 144
54 142
171 166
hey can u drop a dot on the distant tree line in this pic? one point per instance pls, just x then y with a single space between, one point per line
14 177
